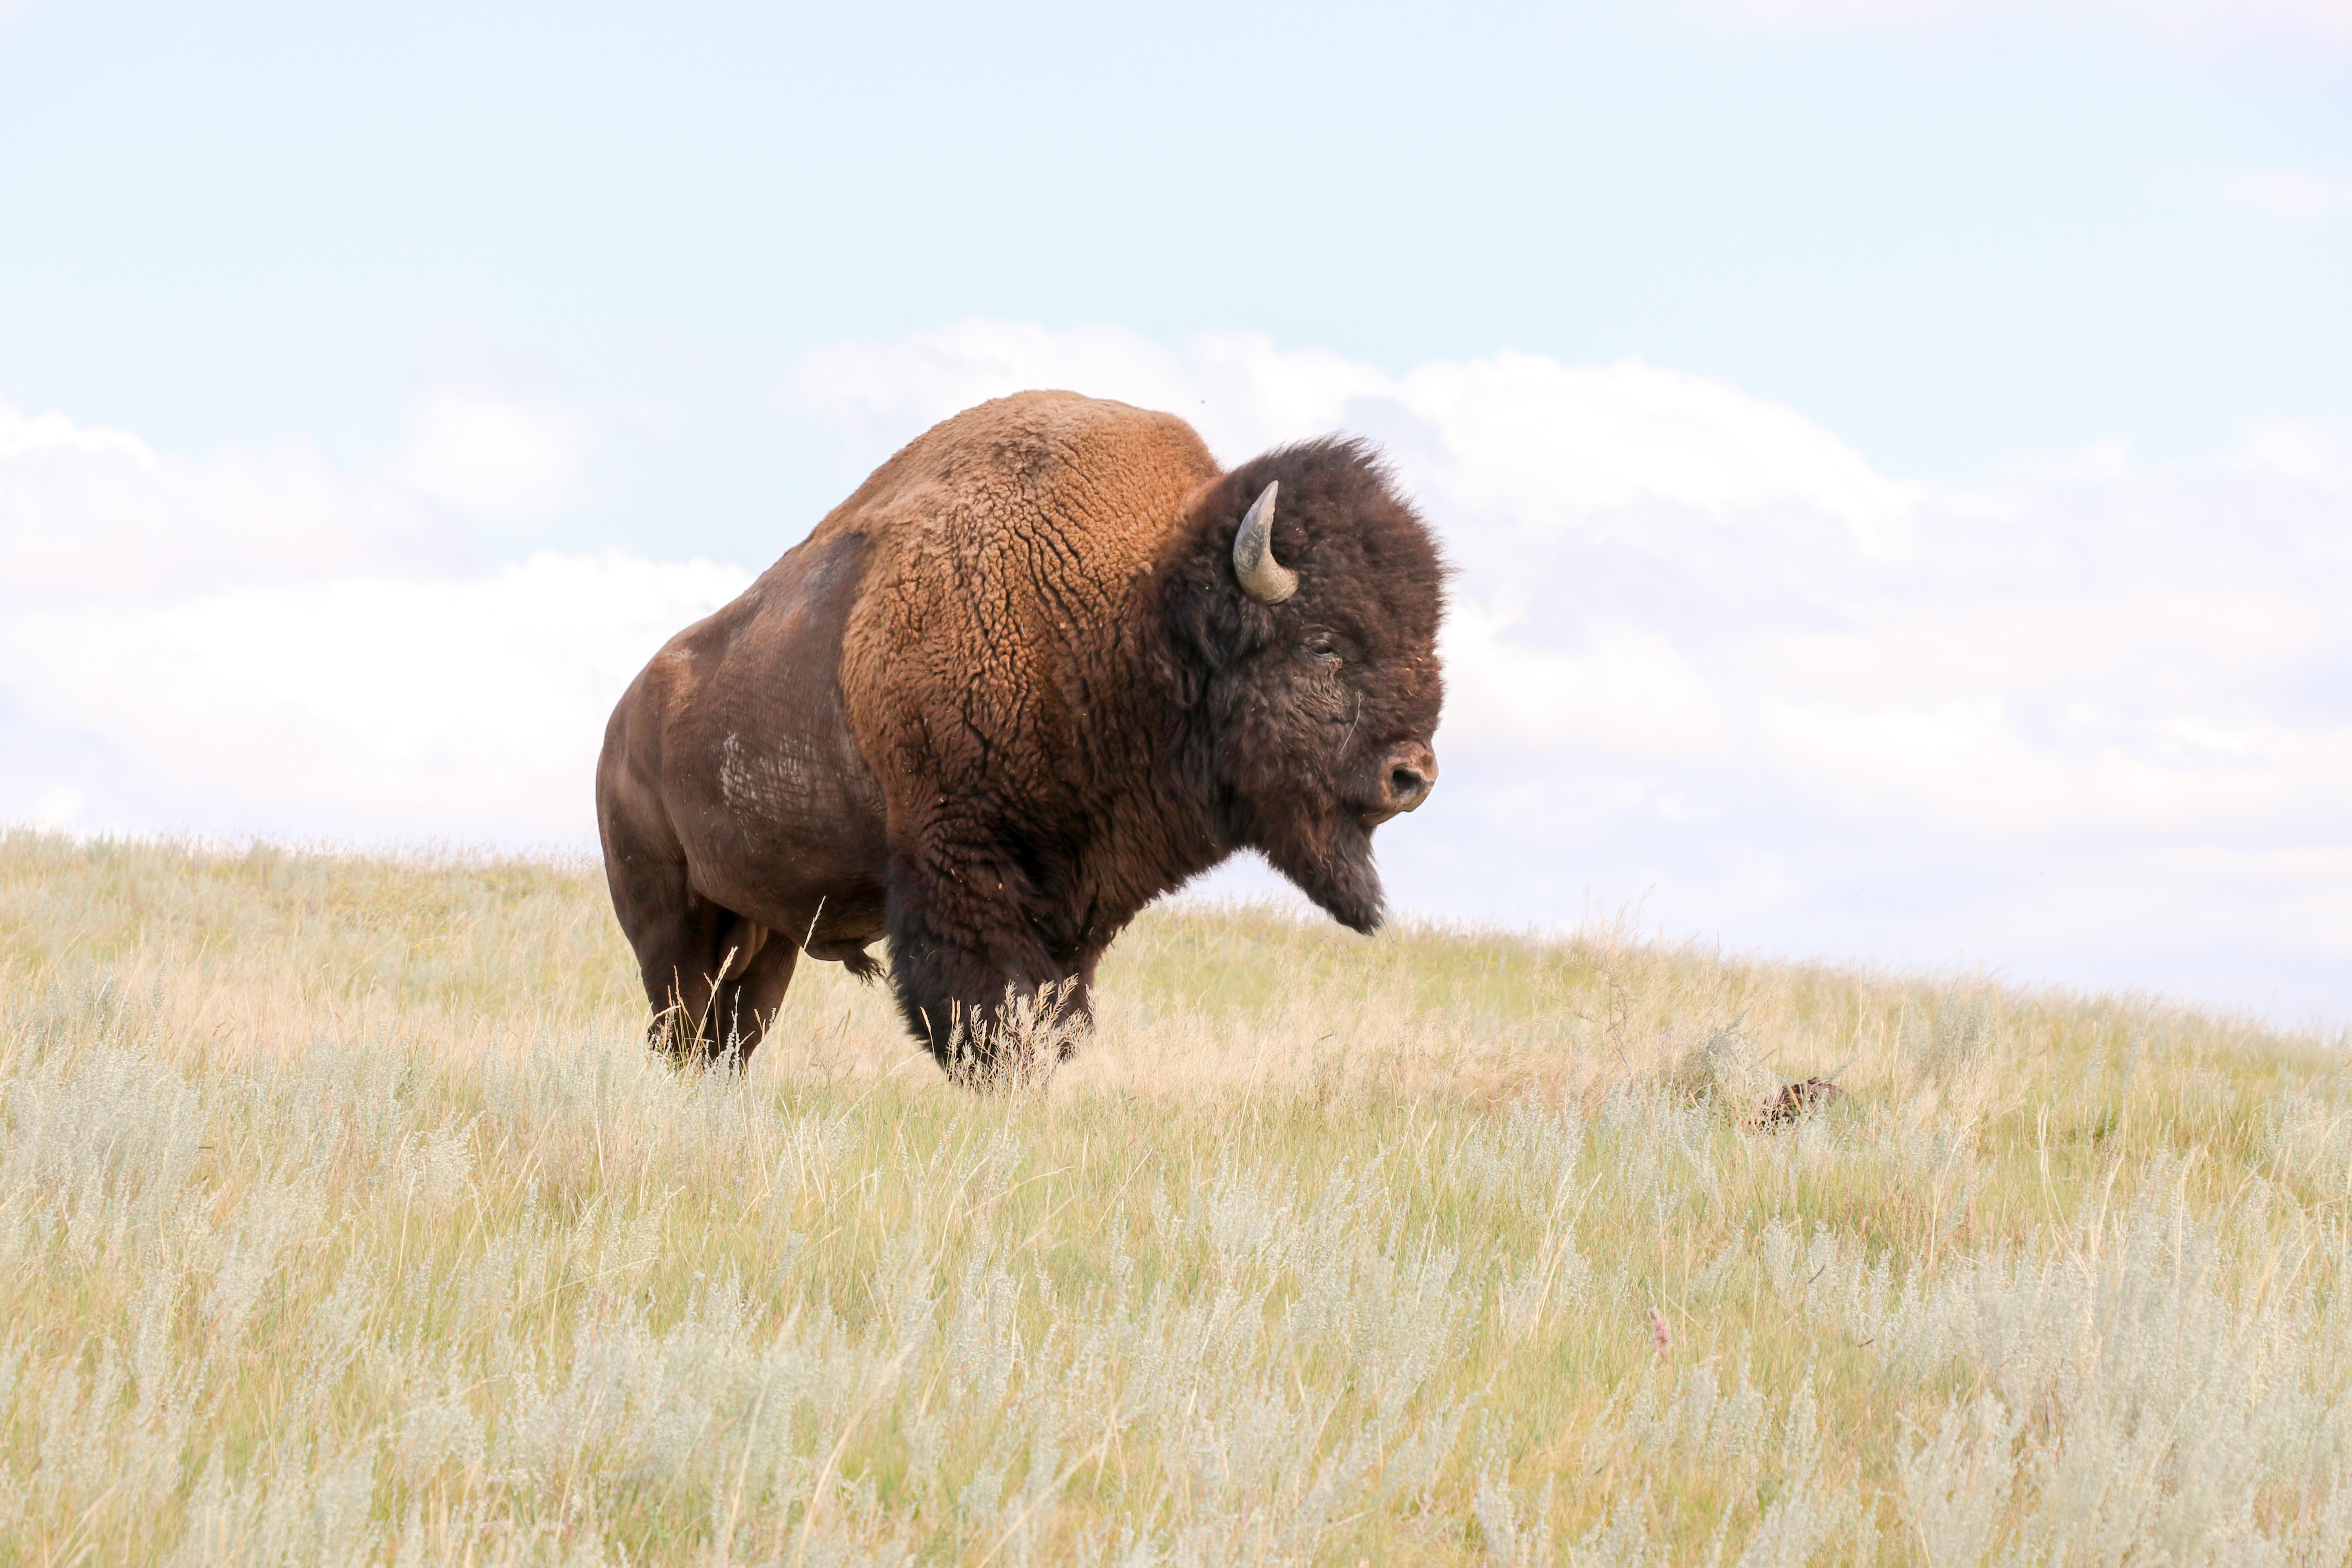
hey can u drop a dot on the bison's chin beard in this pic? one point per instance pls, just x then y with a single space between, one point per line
1337 872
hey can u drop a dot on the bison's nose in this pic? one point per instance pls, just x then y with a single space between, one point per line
1411 774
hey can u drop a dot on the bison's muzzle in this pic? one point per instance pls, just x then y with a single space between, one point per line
1409 774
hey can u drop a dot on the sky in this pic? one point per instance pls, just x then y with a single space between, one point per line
1900 455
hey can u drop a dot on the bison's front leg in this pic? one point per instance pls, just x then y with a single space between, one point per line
974 980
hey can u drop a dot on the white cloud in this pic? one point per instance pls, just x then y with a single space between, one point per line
2294 194
1701 648
1234 386
468 709
2298 450
94 513
1515 429
1626 693
259 639
501 459
89 513
21 437
2089 722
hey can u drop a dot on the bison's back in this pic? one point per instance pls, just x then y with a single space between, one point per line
1009 548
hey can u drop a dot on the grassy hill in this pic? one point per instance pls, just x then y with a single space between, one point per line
343 1218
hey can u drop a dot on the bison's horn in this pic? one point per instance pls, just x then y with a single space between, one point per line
1263 578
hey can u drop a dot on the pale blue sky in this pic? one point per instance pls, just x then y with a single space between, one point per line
1950 244
1901 466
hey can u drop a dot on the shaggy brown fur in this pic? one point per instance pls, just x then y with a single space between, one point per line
1002 697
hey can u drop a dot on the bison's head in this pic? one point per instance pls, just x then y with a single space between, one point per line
1305 610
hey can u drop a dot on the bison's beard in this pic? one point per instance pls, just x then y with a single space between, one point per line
1334 868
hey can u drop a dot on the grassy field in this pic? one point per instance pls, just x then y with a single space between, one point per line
343 1218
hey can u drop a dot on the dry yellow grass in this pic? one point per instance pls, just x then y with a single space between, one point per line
343 1218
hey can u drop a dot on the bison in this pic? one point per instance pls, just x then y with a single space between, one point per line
1048 663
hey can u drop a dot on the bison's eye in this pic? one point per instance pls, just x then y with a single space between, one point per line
1323 649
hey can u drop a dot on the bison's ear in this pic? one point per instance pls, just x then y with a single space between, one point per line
1263 578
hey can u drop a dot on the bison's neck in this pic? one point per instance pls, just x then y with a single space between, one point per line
1136 818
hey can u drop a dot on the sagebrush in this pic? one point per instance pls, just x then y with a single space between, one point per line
344 1217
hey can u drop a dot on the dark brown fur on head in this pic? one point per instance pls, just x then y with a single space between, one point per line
1295 711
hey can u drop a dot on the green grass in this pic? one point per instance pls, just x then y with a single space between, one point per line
342 1217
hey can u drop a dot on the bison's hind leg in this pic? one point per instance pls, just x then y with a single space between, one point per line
715 979
717 1004
751 992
